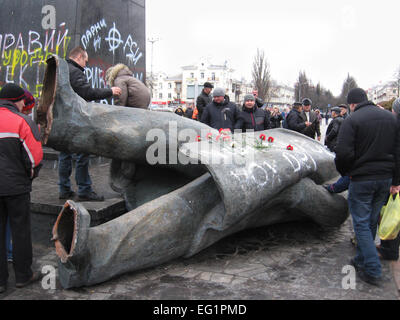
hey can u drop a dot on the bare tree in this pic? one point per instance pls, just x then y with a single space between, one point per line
150 83
302 87
348 84
262 75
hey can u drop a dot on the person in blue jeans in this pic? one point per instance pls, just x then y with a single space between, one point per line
365 153
8 242
82 176
78 58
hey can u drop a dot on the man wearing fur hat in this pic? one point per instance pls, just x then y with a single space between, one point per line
252 117
20 153
365 152
133 91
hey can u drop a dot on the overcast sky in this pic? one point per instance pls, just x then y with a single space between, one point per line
327 39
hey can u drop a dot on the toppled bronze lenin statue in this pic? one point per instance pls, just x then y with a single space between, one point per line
175 209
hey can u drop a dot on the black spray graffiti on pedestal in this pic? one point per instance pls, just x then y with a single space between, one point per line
111 32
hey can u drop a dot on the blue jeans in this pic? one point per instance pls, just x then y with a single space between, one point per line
82 176
8 240
366 199
341 185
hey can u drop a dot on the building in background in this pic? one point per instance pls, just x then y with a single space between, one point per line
383 92
194 76
166 90
282 95
183 89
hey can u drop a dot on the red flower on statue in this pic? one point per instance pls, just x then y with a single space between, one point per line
198 138
224 131
289 147
270 140
263 137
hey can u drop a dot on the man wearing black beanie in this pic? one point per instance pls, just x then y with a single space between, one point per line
365 152
20 153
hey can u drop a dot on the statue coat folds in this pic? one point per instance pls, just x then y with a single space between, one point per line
176 209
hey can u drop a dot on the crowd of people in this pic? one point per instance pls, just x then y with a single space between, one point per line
367 148
366 144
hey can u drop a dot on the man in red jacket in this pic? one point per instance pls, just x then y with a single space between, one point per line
20 156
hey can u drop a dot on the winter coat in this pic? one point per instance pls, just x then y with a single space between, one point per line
202 101
220 115
189 113
276 121
332 133
255 119
366 144
314 128
81 86
295 122
134 92
20 151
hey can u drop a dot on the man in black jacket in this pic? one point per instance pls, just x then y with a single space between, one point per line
365 152
252 117
220 114
294 120
310 116
332 132
204 99
78 58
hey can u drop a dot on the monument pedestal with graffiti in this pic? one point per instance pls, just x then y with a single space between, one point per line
111 31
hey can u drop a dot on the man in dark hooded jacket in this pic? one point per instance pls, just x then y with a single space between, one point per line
252 117
220 114
332 132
